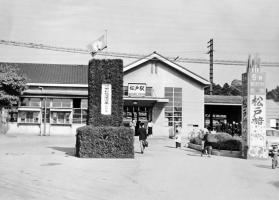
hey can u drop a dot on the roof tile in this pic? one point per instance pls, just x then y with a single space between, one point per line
53 73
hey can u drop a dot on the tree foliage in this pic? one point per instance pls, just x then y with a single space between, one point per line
235 89
227 90
273 94
12 83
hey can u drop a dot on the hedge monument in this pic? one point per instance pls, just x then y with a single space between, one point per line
105 136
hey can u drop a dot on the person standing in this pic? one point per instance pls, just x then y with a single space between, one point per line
178 137
150 128
133 125
207 143
142 137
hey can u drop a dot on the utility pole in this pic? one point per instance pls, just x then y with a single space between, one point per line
210 52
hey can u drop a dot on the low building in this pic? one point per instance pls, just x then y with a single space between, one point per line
56 100
219 108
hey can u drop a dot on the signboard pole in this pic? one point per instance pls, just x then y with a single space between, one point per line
254 112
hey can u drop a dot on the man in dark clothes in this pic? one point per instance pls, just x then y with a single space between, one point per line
142 137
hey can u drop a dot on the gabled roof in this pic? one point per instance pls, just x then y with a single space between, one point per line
41 73
53 73
222 100
181 69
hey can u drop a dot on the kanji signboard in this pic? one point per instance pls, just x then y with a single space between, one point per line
106 99
253 111
136 89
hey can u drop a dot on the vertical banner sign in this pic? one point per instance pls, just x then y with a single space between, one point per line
106 99
244 112
253 112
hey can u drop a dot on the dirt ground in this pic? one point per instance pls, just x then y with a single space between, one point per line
43 167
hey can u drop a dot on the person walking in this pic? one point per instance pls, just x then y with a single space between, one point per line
150 128
274 156
142 137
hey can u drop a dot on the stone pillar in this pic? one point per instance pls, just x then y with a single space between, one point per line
254 112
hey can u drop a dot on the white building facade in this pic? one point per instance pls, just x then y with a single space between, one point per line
56 101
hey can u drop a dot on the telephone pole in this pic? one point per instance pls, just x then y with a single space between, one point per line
210 52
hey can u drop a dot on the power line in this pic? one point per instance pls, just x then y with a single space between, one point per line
129 55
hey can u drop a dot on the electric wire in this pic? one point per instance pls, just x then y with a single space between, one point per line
130 55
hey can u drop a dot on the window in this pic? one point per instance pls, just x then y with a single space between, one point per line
29 117
60 117
80 111
12 114
31 102
125 90
84 103
148 91
173 110
61 103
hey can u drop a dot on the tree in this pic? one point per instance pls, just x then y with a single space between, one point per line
273 94
227 90
12 83
216 89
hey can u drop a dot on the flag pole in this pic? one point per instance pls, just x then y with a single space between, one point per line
106 47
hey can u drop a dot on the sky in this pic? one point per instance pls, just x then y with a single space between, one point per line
171 28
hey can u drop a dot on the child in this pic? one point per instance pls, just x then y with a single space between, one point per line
178 137
274 156
149 128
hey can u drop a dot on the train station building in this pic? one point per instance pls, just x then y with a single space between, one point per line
56 99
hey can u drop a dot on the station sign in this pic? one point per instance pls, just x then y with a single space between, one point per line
136 89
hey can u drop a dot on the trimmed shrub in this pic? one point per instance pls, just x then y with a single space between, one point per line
196 140
224 141
107 71
104 142
221 137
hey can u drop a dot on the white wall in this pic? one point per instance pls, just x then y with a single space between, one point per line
192 91
14 128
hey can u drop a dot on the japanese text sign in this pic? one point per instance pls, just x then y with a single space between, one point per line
106 99
136 89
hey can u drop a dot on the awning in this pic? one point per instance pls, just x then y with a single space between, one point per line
143 101
58 92
28 109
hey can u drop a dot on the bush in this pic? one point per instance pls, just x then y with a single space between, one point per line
104 142
221 137
224 141
109 71
196 140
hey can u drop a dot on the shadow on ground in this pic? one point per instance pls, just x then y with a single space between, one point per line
171 147
50 164
71 151
264 166
275 183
